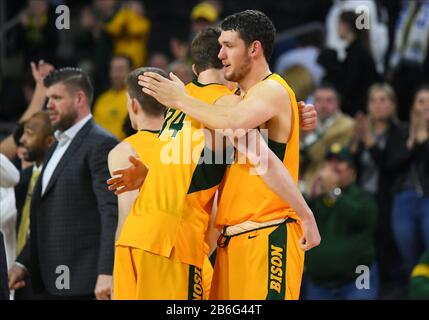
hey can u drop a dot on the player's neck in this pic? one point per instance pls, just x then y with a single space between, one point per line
211 76
149 123
257 73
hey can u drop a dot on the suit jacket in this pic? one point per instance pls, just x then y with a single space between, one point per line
72 226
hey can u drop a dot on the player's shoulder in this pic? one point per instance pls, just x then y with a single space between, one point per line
228 100
271 88
121 151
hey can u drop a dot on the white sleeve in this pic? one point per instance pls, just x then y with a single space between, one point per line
9 175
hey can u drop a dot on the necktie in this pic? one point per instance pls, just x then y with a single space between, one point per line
25 218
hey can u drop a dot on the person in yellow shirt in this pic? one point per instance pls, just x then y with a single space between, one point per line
266 224
110 108
130 29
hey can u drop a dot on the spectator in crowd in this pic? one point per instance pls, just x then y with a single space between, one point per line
301 81
419 284
36 140
357 72
110 109
73 215
203 15
181 70
93 44
376 16
305 55
346 217
105 9
411 202
130 29
159 60
374 143
37 35
39 70
9 178
90 41
409 60
333 127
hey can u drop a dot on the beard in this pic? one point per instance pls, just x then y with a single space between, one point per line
240 72
36 154
66 120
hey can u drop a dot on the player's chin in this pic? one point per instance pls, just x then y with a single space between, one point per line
229 75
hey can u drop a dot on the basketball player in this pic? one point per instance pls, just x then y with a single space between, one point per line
261 252
146 115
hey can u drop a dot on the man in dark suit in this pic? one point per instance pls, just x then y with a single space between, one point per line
36 139
73 215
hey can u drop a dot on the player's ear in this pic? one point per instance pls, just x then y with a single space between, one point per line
194 70
256 46
134 105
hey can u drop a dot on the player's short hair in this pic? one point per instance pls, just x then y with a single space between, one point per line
252 25
205 49
148 103
74 79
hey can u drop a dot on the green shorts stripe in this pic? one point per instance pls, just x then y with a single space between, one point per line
277 263
195 287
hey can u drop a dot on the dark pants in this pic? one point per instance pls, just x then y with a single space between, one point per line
26 293
48 296
410 225
4 289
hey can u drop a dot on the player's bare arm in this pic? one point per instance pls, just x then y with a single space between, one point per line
249 113
278 178
276 175
256 109
118 159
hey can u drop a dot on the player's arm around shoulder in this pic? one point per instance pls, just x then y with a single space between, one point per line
263 102
215 138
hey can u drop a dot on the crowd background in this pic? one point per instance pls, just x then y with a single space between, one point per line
364 170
